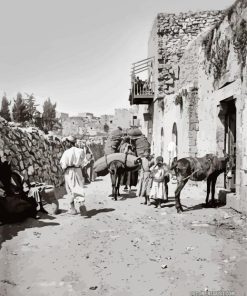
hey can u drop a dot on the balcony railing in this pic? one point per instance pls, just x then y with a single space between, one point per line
142 91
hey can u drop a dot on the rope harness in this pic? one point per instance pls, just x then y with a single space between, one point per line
198 170
184 179
124 163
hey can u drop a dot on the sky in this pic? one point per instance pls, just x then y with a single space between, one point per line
79 52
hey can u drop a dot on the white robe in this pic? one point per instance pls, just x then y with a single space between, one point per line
158 188
172 149
73 159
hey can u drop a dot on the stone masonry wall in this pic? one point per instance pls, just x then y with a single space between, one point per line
31 154
174 33
193 122
174 42
34 156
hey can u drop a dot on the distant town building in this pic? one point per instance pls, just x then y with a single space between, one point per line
86 114
87 125
122 117
62 115
107 120
73 126
82 126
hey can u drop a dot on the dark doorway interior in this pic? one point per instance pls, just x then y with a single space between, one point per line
230 138
175 133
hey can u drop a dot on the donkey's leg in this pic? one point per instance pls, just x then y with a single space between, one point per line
41 208
166 188
118 184
214 179
113 185
181 184
208 189
116 188
146 199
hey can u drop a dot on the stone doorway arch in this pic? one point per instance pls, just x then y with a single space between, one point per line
175 133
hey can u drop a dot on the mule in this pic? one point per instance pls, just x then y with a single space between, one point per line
207 168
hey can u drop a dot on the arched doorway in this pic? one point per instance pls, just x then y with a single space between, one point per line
175 133
162 142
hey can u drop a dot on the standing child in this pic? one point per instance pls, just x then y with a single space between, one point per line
160 179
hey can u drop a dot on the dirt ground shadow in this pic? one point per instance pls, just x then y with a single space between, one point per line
94 212
164 203
202 206
8 231
125 196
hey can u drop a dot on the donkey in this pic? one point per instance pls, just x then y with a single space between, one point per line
116 170
207 168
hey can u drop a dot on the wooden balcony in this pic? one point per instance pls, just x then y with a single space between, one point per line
140 96
142 91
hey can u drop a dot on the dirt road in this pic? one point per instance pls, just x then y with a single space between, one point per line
124 248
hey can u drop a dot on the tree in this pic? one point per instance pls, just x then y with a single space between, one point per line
5 113
106 128
50 121
37 120
31 107
19 110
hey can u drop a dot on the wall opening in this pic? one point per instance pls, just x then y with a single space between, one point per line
228 108
175 133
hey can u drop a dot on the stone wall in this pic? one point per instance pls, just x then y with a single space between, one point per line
174 33
34 156
175 43
193 121
31 154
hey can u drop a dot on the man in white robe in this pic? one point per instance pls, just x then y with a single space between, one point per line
72 162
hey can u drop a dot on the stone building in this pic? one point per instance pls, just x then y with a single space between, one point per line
86 114
82 126
198 71
125 118
61 115
122 117
107 119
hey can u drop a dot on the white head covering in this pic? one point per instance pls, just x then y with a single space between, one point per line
71 139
